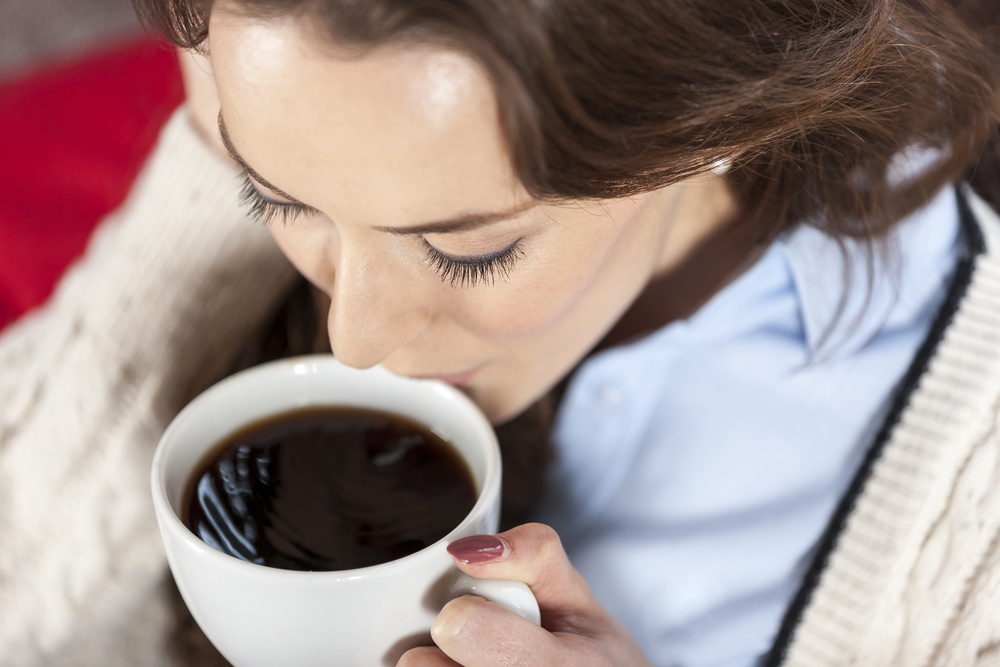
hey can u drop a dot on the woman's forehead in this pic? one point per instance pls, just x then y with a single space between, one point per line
408 125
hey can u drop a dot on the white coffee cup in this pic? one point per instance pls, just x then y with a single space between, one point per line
259 616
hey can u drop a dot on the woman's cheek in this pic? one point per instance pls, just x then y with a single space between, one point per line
522 307
309 250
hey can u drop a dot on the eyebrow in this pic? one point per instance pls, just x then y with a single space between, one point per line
235 154
458 223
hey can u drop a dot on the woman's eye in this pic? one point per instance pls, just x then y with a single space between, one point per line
459 271
265 210
470 271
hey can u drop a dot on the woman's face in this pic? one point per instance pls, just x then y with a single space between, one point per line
408 215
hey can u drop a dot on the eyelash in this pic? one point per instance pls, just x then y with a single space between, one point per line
266 211
468 272
458 271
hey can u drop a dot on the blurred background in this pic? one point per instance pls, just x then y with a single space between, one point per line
33 32
83 95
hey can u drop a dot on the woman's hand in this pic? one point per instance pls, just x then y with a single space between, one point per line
576 630
202 98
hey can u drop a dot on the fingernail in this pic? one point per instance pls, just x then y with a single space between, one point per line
479 549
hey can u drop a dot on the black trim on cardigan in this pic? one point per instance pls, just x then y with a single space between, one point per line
974 244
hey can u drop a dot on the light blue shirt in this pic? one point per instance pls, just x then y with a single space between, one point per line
698 467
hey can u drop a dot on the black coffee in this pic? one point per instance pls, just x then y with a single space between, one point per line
328 489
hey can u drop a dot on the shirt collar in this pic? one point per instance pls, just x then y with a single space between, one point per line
847 294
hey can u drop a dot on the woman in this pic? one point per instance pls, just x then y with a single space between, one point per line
724 237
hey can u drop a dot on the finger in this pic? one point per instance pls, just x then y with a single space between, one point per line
426 656
477 633
533 553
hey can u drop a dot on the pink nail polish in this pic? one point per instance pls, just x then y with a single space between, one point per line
478 549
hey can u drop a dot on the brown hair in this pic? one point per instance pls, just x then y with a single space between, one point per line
606 98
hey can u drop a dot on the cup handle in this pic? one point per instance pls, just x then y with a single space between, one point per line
512 595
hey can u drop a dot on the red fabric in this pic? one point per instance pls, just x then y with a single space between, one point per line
72 139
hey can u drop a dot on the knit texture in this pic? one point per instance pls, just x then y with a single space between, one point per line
914 578
147 317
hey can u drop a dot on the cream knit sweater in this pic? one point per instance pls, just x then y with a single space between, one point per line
87 385
912 578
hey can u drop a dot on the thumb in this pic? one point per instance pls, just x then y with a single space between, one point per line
533 553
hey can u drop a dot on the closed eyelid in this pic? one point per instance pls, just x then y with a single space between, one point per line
248 171
474 259
259 190
267 210
463 272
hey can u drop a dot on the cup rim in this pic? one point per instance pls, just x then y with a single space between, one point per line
170 521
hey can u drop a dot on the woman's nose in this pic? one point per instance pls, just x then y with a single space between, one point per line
374 310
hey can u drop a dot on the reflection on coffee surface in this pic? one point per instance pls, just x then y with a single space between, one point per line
328 489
